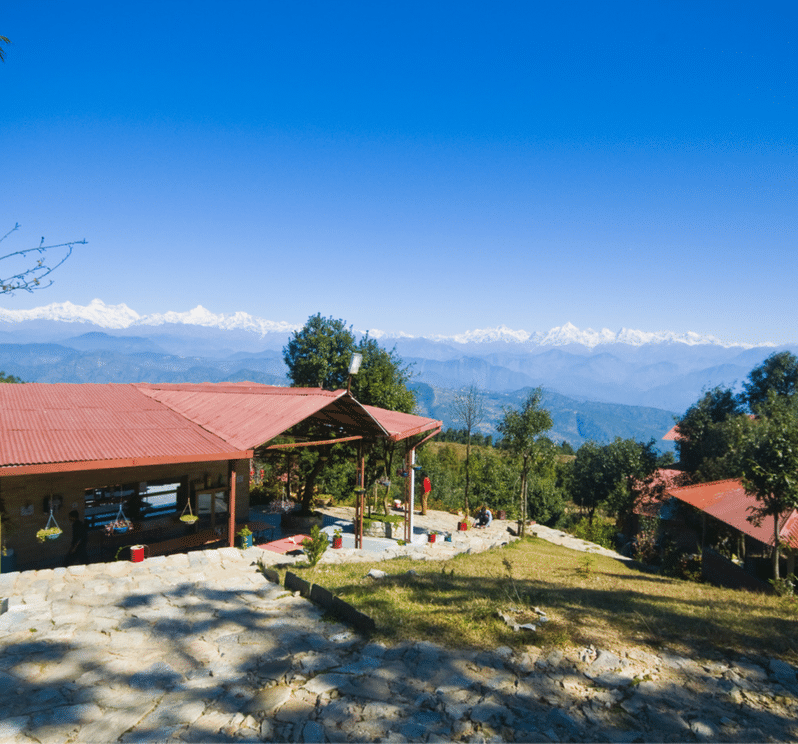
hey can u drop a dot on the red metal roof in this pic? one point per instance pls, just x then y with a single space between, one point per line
248 415
54 426
728 502
402 425
63 423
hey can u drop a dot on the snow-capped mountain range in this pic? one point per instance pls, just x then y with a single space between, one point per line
599 384
122 317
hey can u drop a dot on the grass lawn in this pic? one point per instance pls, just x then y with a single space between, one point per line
588 599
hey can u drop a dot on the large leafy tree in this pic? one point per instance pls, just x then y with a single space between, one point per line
521 429
612 475
711 433
770 470
318 355
777 374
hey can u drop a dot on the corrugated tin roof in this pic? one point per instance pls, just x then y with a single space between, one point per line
728 502
402 425
72 423
60 423
248 415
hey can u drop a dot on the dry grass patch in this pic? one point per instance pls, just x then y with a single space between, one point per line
591 599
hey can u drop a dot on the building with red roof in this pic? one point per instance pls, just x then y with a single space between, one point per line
153 449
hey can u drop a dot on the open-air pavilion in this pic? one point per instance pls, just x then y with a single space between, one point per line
151 452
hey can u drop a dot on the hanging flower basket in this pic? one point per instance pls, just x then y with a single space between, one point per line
189 518
118 526
49 533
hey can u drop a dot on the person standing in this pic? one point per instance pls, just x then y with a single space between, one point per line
80 538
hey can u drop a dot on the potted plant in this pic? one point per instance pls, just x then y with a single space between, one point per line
244 538
462 526
48 533
432 537
337 540
189 518
118 526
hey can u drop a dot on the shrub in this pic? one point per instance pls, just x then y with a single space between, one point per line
315 545
600 532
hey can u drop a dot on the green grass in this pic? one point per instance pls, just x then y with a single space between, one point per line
600 601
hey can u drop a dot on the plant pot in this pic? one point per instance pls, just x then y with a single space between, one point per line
120 530
244 541
337 542
8 562
432 537
189 519
462 526
501 514
448 538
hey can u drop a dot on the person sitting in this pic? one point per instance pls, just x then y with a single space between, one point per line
484 517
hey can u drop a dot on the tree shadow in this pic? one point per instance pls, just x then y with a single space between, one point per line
194 660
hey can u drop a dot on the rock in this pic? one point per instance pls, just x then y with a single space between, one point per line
375 573
783 672
312 732
605 661
703 731
268 700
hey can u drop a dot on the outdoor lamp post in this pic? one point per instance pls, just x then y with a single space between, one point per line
354 368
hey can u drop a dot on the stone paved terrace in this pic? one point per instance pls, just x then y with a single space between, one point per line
200 647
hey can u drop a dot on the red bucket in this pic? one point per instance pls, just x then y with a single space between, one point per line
137 553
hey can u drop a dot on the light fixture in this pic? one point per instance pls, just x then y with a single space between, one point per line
354 365
354 368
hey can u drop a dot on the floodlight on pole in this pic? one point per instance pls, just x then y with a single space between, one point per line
354 368
354 365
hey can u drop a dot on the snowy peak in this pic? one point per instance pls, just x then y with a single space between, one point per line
120 317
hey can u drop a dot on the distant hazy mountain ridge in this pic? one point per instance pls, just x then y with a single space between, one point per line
595 373
122 317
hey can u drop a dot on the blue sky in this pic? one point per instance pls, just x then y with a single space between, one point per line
421 167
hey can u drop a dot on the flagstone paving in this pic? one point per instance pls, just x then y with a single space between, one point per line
202 648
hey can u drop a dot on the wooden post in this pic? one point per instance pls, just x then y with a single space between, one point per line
360 492
231 504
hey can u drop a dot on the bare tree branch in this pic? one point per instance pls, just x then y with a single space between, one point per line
33 277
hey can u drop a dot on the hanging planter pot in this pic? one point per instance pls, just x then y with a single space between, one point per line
189 518
49 533
51 530
118 527
120 524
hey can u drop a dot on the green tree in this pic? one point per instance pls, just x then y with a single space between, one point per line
710 436
468 408
777 374
3 40
612 475
521 430
770 471
318 355
8 378
492 480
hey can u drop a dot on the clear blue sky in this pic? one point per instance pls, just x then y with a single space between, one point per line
426 167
